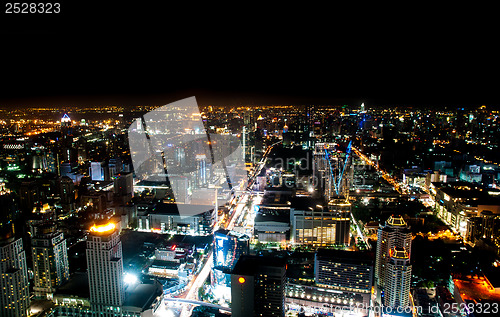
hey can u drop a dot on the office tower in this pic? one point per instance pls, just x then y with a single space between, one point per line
395 233
50 260
96 171
397 278
124 186
105 269
344 270
66 128
180 189
201 169
229 246
66 169
29 196
340 209
258 287
313 223
65 121
39 162
67 193
14 294
115 166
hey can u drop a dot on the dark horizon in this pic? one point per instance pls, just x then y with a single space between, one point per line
216 98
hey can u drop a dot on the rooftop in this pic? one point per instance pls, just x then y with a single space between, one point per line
304 203
250 264
399 253
396 221
345 256
142 295
103 229
477 289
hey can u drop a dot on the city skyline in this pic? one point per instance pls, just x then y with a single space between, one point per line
347 197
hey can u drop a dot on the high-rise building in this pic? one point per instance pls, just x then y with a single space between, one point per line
395 233
201 169
258 287
124 186
115 166
342 281
96 171
14 291
397 279
229 246
66 125
67 193
105 269
344 270
313 223
50 260
29 196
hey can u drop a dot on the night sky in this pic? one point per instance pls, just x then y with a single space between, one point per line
156 55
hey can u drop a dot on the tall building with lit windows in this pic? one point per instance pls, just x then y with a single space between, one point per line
395 233
258 287
50 260
229 246
314 222
397 278
344 270
14 291
105 270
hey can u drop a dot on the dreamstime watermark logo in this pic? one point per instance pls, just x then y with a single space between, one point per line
171 148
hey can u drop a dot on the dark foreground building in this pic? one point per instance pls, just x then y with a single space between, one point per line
258 287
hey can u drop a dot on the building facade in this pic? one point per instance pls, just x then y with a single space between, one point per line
14 294
50 260
321 225
395 233
397 279
258 287
105 270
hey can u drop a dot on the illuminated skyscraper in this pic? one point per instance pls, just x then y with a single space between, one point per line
229 246
105 270
50 260
65 121
395 233
397 279
14 292
66 125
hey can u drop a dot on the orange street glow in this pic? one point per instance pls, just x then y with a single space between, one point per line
241 280
103 228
